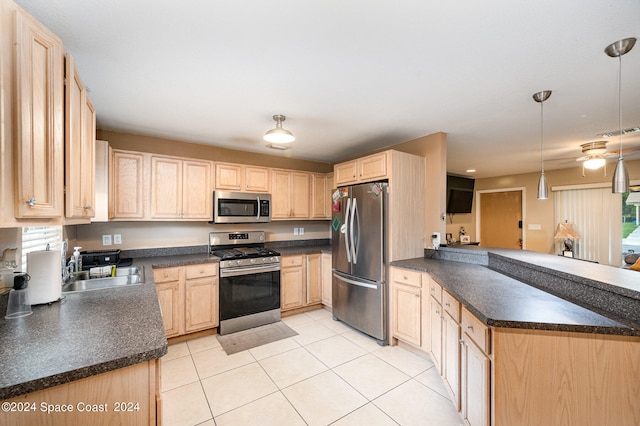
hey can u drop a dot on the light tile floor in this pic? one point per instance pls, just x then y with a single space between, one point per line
328 374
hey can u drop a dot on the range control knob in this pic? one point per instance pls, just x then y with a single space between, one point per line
252 261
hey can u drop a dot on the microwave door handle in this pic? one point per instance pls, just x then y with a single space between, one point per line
258 216
344 230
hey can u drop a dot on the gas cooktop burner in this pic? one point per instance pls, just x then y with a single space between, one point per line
244 253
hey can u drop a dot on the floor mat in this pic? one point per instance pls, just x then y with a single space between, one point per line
254 337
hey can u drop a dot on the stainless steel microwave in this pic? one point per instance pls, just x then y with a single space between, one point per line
241 207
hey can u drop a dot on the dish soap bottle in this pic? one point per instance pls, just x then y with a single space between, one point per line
77 259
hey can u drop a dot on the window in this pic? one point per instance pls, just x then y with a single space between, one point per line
630 218
36 238
595 214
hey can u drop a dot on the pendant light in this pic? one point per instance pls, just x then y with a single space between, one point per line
543 188
279 134
620 182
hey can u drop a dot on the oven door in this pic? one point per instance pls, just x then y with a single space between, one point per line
249 290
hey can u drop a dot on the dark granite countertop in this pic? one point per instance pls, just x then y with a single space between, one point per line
84 334
501 301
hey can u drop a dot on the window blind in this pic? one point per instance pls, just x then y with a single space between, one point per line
36 238
596 214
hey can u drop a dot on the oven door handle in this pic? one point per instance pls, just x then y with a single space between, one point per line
234 272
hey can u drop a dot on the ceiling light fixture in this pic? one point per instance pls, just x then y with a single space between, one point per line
543 188
594 162
279 134
620 182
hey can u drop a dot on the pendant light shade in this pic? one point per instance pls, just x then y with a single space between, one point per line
279 134
620 183
543 187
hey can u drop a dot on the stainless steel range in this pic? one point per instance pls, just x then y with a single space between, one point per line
249 280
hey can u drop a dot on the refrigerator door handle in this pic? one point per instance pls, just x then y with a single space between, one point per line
355 243
358 283
343 229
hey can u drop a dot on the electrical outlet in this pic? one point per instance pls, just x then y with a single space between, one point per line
106 240
301 231
117 239
295 231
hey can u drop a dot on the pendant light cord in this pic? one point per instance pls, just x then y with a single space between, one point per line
541 136
620 102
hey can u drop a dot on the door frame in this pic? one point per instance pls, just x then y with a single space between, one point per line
523 190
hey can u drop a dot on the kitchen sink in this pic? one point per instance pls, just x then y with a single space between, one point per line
124 277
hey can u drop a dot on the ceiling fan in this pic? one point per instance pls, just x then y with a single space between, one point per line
595 154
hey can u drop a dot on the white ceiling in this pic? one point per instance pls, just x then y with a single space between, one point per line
353 76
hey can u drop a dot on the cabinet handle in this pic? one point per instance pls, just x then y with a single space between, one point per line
447 305
404 277
31 202
469 327
87 207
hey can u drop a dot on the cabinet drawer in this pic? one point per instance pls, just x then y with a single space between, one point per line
163 275
409 277
288 261
201 270
435 290
477 331
451 305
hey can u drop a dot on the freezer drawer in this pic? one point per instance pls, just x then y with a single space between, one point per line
361 304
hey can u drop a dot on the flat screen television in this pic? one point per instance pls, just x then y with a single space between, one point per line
459 194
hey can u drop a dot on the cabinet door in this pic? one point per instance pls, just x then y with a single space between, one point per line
201 303
314 279
475 388
257 179
73 144
436 333
407 305
126 185
39 121
292 283
88 172
373 167
229 176
451 358
280 194
320 205
196 195
327 283
170 306
345 173
300 200
166 188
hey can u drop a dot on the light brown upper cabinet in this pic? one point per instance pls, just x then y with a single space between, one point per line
321 185
180 188
365 169
238 177
39 135
80 130
290 194
126 185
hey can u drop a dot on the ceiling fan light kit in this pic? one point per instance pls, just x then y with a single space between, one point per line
620 183
543 187
279 134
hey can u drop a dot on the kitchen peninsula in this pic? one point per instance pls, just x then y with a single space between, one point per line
509 351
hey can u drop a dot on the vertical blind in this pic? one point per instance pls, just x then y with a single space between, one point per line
36 238
596 214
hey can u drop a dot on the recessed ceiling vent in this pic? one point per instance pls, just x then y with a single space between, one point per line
277 147
617 132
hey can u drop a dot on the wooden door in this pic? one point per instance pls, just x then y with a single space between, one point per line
314 278
88 172
169 300
73 126
166 188
501 219
196 194
229 176
300 197
201 296
257 179
280 195
327 284
406 313
436 333
126 185
40 120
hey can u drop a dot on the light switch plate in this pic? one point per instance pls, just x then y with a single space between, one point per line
295 231
535 227
106 240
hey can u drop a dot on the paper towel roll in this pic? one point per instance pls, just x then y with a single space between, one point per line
45 285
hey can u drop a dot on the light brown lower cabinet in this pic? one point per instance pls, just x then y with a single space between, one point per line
406 307
127 396
188 297
475 371
327 280
301 281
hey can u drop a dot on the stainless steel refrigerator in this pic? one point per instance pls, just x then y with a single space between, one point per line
359 287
